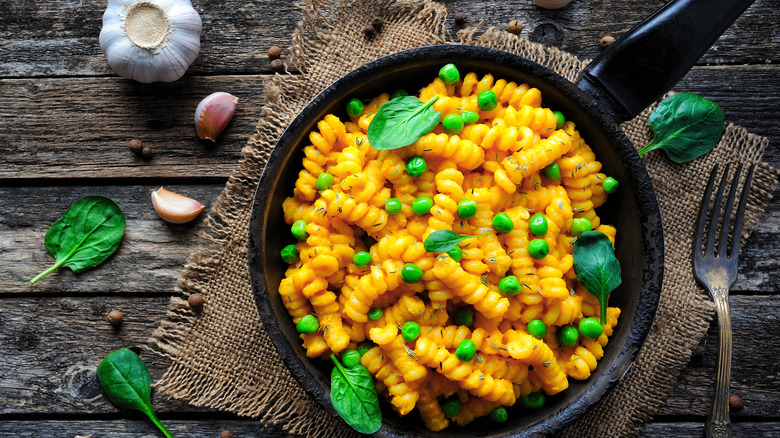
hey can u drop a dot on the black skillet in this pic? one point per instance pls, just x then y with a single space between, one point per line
616 86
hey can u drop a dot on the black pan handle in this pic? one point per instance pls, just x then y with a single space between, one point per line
651 58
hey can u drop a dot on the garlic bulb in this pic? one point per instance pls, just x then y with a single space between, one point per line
213 114
175 208
150 40
551 4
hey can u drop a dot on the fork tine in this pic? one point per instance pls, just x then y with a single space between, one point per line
741 213
716 212
703 208
724 228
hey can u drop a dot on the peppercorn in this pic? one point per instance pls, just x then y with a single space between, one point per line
135 145
369 30
196 302
226 434
115 317
606 40
277 65
515 27
736 403
378 23
460 18
147 152
274 52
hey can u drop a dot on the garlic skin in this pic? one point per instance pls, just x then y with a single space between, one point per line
150 40
175 208
213 114
551 4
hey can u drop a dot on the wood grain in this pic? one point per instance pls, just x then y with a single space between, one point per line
54 343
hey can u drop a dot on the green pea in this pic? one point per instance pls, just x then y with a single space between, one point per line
464 316
451 407
499 415
399 93
568 335
509 286
455 253
422 205
411 273
559 119
324 181
290 254
466 350
487 100
298 230
449 74
467 208
393 205
591 328
308 324
350 358
534 400
374 314
538 224
416 166
364 347
354 108
410 331
503 223
610 185
469 117
580 225
452 123
536 328
361 258
553 171
538 248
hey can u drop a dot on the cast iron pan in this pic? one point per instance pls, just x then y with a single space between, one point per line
628 76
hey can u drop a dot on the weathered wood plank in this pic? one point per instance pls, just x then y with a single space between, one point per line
79 127
64 128
664 429
153 252
54 38
53 344
150 257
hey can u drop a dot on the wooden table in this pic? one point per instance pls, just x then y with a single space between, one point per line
64 126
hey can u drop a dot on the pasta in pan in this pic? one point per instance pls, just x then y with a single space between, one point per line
490 319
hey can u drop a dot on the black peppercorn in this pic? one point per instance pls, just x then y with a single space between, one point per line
147 152
135 145
736 403
274 52
277 65
460 18
369 30
378 23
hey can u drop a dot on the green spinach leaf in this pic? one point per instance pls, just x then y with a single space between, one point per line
443 240
596 267
86 235
353 395
127 384
401 122
685 126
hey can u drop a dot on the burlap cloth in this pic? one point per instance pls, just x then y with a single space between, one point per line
223 358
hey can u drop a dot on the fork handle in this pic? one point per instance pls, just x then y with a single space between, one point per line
718 423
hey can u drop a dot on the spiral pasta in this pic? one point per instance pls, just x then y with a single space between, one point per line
354 199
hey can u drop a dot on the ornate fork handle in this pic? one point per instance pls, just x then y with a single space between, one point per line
718 424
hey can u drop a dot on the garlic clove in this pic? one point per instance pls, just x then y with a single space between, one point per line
150 40
551 4
175 208
213 114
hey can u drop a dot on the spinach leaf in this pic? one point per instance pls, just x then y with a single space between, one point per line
86 235
685 126
127 384
353 395
443 240
596 267
401 122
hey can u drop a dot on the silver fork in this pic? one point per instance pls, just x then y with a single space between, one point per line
715 268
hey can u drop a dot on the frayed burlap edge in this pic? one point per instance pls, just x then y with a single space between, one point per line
223 359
